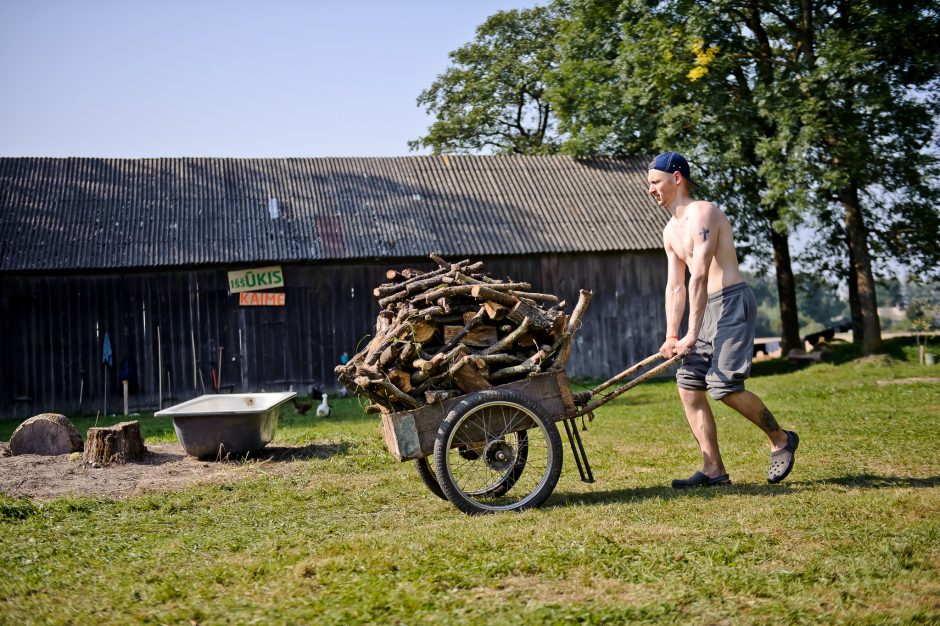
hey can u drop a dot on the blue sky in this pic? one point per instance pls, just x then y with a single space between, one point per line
262 78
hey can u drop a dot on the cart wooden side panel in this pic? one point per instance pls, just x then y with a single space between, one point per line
410 434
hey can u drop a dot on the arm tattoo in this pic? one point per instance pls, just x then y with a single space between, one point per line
767 420
704 233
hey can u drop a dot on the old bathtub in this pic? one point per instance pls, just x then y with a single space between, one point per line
220 425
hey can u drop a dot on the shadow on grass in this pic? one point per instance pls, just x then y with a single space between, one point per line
873 481
666 492
286 454
276 454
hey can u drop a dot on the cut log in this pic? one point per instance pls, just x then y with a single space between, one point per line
423 331
563 345
453 334
494 310
440 295
506 287
115 444
48 434
500 359
389 355
491 295
400 378
539 318
365 381
422 365
408 354
417 377
526 368
397 333
538 297
397 394
383 322
467 376
507 342
479 336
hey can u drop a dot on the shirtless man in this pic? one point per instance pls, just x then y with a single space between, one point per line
722 318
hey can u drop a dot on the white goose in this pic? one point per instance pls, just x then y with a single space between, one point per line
323 409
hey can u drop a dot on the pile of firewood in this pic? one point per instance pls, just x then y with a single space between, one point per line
454 330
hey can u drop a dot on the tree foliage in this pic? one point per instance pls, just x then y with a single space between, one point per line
701 78
820 112
493 96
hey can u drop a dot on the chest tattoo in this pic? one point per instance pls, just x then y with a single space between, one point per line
704 233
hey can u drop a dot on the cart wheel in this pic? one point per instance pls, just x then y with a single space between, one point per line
519 453
426 472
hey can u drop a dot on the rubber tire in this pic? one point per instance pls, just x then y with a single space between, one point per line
452 422
426 472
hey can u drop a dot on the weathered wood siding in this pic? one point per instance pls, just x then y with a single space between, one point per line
52 327
626 321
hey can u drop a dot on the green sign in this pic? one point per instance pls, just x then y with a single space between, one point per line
253 280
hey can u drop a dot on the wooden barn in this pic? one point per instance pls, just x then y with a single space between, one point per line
144 269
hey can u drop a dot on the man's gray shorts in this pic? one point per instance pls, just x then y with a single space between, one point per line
721 358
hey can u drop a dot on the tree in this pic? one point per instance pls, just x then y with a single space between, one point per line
493 96
704 78
788 106
790 110
868 161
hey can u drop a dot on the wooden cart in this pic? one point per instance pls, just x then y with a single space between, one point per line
500 449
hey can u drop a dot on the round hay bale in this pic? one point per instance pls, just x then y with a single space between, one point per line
47 434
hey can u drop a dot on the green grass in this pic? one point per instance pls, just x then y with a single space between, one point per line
853 536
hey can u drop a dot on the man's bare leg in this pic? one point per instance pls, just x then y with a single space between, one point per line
753 408
702 422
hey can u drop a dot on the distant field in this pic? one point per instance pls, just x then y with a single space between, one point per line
853 536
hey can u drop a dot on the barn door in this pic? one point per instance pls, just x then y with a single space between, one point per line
263 344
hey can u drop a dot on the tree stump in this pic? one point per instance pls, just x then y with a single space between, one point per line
48 434
115 444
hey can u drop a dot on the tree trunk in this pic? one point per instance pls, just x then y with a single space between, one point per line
115 444
855 306
861 269
786 293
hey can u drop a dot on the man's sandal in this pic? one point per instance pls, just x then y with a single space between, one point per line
698 479
781 461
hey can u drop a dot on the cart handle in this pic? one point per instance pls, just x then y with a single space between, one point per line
600 400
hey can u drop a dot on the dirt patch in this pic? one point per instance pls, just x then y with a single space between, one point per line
164 467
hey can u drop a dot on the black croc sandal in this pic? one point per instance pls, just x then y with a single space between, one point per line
781 461
698 479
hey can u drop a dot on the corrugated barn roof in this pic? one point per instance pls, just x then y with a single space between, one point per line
89 213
